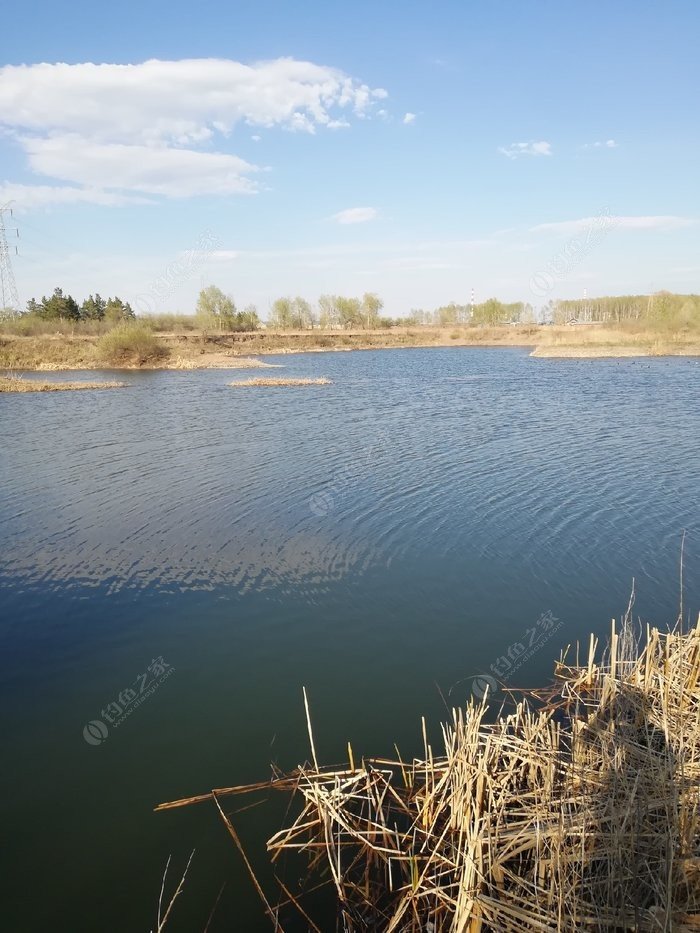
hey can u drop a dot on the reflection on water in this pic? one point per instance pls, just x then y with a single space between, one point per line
398 528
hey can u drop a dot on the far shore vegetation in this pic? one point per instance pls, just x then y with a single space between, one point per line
58 332
217 312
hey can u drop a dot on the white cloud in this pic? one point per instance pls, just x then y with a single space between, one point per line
176 101
658 222
602 144
142 127
29 197
150 169
409 118
356 215
515 150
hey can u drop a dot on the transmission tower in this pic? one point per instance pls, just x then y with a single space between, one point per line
9 299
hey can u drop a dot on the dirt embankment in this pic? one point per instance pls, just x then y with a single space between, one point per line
53 353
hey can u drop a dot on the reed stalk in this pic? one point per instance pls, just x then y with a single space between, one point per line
577 811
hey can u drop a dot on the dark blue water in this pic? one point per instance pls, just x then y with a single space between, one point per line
379 540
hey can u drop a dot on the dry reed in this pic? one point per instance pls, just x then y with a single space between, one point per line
578 811
281 381
17 384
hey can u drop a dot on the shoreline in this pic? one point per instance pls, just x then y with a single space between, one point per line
614 352
192 350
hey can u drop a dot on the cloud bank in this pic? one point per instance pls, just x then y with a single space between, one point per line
152 128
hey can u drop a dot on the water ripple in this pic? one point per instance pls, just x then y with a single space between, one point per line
178 483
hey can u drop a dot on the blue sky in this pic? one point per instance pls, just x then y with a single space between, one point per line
528 150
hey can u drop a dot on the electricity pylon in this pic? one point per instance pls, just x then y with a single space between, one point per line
9 299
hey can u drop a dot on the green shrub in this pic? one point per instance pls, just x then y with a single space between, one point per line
130 344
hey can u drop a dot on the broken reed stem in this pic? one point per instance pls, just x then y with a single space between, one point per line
578 811
234 835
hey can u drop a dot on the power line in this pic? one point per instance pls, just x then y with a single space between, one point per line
9 299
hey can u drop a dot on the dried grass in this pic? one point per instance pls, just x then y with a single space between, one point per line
579 811
220 361
17 384
281 381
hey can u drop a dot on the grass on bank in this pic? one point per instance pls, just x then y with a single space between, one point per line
18 384
131 344
282 381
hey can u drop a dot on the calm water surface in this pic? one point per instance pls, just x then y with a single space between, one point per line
379 540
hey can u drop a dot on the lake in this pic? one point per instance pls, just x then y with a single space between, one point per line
189 556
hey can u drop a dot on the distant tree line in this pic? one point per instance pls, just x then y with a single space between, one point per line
333 312
663 308
488 313
217 310
60 307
